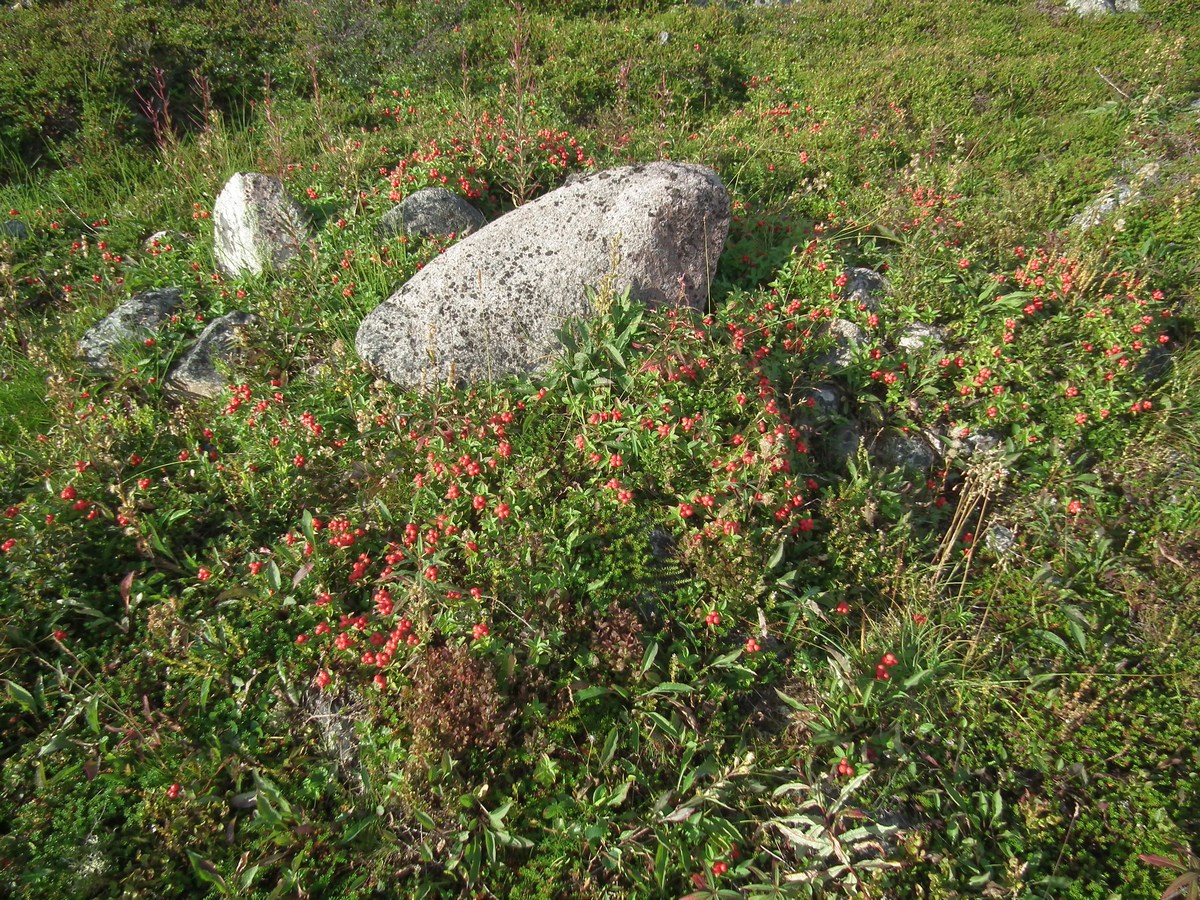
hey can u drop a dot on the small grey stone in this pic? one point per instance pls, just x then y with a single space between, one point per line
826 399
975 442
15 229
847 337
865 287
1103 7
432 212
1155 366
200 372
139 315
1000 540
664 37
256 225
156 240
842 444
912 450
915 336
1120 194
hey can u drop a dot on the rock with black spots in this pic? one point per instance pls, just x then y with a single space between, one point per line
494 305
432 212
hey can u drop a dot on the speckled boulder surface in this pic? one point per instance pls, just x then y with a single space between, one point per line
493 304
256 225
133 319
432 212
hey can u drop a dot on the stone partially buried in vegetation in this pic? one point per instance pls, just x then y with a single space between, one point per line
918 335
1120 194
15 229
132 320
847 338
907 450
202 370
432 212
494 305
864 287
1103 7
256 225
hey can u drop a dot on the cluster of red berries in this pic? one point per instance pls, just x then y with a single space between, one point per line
713 618
885 662
844 768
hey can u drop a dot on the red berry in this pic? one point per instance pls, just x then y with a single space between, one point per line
889 659
174 790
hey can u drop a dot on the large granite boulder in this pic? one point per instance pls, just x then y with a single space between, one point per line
493 305
432 212
134 319
202 371
256 225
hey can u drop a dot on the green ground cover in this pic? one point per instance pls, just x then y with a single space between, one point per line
629 628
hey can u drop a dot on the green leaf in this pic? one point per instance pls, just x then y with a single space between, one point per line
273 577
306 522
615 354
726 661
669 687
663 724
648 659
790 701
596 690
206 871
92 712
619 795
610 746
1052 638
21 696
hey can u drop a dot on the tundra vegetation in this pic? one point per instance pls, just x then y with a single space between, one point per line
669 619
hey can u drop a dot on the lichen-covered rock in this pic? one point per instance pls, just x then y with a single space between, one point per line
256 225
907 450
847 338
919 335
494 305
202 372
841 444
432 212
1000 539
1120 194
1103 7
865 287
133 319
